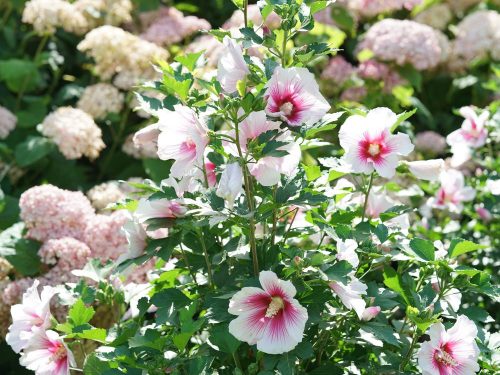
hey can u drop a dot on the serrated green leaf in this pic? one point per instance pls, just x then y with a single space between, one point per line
423 248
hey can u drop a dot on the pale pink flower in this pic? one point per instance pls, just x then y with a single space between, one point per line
346 250
147 138
353 94
473 131
268 169
231 183
370 313
351 294
293 95
453 191
428 170
452 351
269 317
31 314
231 67
136 237
47 354
430 142
369 144
183 137
378 202
159 208
493 187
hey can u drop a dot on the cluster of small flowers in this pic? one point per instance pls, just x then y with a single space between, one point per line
104 194
8 122
101 99
78 17
118 52
477 36
371 8
168 26
341 71
74 132
437 16
104 12
47 15
406 42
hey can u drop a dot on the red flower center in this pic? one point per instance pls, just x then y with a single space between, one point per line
188 146
58 352
444 357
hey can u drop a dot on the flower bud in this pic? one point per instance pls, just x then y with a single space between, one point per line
370 313
231 183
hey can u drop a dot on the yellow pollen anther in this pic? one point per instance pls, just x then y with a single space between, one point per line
286 108
59 353
274 307
374 149
442 356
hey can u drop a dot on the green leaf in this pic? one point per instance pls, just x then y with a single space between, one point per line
402 117
32 150
339 271
19 75
394 282
189 60
94 366
220 337
79 314
381 331
460 246
313 172
170 297
423 248
249 33
95 334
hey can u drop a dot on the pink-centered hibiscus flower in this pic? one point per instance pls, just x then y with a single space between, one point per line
473 131
183 138
369 144
450 352
293 95
267 169
47 354
30 315
452 192
269 317
351 294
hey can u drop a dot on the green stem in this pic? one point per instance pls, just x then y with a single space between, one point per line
410 352
250 199
245 12
190 270
116 141
283 50
207 259
367 195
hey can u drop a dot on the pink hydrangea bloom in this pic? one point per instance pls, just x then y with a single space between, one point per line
8 122
104 235
353 94
430 142
14 290
64 254
404 42
50 212
369 144
168 26
47 354
183 138
452 351
293 95
30 315
370 8
269 317
338 70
